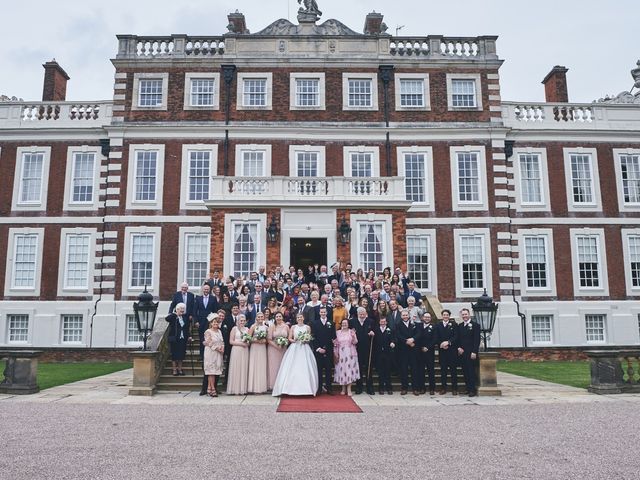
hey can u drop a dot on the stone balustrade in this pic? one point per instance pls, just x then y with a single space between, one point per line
133 46
614 371
55 114
437 46
570 116
263 191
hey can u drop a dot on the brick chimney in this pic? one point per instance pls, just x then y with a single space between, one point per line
237 23
373 24
555 85
55 82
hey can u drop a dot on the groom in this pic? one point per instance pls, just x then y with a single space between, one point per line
324 333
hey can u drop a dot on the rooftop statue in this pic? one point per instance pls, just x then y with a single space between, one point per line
310 12
627 97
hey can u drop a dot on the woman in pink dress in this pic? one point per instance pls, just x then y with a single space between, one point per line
346 358
213 350
275 352
258 356
239 359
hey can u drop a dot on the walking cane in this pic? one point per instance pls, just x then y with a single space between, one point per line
370 351
193 372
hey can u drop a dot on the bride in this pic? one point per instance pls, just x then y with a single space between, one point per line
298 374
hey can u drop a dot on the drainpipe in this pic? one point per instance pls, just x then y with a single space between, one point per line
228 72
508 150
386 75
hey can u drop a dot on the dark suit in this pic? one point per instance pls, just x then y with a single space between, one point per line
383 356
190 303
428 339
415 294
364 349
323 337
309 314
469 341
406 354
393 319
201 313
449 356
178 335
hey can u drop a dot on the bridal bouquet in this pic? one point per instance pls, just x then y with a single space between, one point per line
304 337
260 334
246 338
282 341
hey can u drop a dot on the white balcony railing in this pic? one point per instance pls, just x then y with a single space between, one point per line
570 116
55 114
341 191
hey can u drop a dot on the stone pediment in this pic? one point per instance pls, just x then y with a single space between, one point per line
285 27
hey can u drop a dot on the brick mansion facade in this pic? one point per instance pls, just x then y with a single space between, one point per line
310 127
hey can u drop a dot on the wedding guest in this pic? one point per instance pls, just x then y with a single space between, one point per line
225 303
406 334
347 370
213 353
339 311
239 359
447 335
426 346
179 335
383 353
468 346
242 305
363 326
186 297
275 351
257 382
324 332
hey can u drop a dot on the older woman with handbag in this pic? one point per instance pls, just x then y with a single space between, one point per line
179 328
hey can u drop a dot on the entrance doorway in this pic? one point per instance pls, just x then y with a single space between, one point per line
307 251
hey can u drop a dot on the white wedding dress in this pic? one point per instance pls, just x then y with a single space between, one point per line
298 374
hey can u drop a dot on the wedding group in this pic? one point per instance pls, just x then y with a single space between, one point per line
304 332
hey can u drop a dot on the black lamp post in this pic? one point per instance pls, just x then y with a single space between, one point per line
344 231
485 310
145 310
273 231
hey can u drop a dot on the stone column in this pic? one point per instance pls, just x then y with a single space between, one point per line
488 377
20 372
607 376
145 373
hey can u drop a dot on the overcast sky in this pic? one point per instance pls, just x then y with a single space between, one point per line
596 40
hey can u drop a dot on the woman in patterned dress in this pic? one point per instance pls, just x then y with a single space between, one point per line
213 353
346 358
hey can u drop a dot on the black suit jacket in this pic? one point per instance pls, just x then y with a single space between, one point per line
175 329
323 335
382 342
450 334
362 334
428 336
469 337
201 312
393 319
403 333
190 303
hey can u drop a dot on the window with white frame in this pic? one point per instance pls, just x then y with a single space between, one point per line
245 248
307 92
150 92
411 92
199 173
254 91
468 177
541 328
146 168
132 334
588 261
25 261
253 164
371 246
142 256
202 92
307 164
196 261
581 179
472 262
83 178
633 242
630 173
72 327
359 91
418 260
31 178
76 267
536 261
415 177
530 178
361 164
18 328
595 327
463 92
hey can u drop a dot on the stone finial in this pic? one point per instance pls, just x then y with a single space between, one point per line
373 24
555 85
237 23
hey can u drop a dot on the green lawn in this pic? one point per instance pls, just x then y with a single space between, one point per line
54 374
574 374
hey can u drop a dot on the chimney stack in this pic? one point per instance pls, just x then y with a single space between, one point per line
55 82
555 85
373 24
237 23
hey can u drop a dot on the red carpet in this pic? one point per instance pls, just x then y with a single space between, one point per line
320 404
